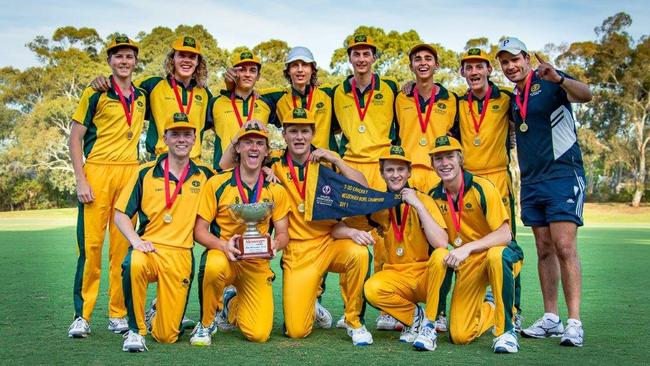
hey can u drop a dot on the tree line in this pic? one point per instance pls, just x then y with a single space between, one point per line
38 102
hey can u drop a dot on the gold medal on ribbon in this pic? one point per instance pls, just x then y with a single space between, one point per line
399 251
362 128
129 135
523 127
423 141
477 141
458 241
167 218
301 207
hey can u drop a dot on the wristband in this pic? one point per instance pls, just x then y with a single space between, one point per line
561 80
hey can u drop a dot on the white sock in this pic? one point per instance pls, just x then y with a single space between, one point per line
552 317
575 321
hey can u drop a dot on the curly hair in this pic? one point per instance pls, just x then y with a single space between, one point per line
314 74
200 73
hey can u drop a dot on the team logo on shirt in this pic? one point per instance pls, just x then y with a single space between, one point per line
185 282
443 209
378 96
140 104
468 205
198 98
495 107
535 87
442 106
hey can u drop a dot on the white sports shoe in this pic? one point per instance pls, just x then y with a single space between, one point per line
323 316
387 322
518 320
573 334
341 323
118 325
543 328
201 336
221 319
79 328
506 343
409 334
360 336
426 340
441 323
133 342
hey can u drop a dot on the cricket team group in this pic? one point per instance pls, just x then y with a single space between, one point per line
446 155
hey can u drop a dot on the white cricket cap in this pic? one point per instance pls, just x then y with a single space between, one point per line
512 45
300 53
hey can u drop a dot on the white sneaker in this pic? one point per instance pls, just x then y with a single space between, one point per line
409 334
148 316
201 336
133 342
441 323
518 320
221 319
79 328
573 334
506 343
323 316
341 323
118 325
360 336
387 322
427 338
543 328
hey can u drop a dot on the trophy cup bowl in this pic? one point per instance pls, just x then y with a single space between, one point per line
252 243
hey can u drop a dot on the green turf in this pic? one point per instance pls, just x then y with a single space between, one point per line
37 269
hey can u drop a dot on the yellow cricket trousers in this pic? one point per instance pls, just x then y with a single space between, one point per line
173 270
470 315
304 262
106 181
252 309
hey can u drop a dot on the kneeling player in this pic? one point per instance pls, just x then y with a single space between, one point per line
249 304
161 249
483 254
312 252
410 231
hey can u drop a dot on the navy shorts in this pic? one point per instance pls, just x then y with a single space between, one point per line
553 200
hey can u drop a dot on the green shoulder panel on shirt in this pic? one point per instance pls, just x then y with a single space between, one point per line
90 137
135 198
148 83
481 195
392 83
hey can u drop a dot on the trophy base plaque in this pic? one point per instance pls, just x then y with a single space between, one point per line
255 247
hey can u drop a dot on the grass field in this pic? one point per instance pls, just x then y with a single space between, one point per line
37 265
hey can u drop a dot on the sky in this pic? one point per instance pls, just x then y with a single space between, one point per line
320 25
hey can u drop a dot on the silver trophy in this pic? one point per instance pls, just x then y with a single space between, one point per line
252 243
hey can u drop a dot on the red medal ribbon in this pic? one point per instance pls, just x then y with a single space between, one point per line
257 189
432 100
362 112
456 219
523 108
251 109
294 176
128 112
309 97
486 102
170 200
399 231
180 100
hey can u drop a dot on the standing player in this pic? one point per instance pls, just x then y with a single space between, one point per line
424 113
230 110
552 181
483 254
312 252
183 89
411 232
249 305
161 250
364 108
105 131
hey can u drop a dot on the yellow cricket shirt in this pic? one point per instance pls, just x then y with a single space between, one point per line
482 211
107 136
493 151
162 105
365 141
145 195
441 120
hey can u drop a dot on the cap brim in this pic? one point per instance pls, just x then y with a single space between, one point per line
300 58
253 133
362 44
422 46
176 125
445 149
512 51
187 49
396 157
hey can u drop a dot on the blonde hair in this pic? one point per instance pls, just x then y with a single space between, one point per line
200 73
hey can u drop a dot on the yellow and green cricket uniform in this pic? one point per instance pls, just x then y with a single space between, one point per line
311 253
222 118
252 309
405 279
482 213
162 104
320 107
172 264
417 143
111 159
491 157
